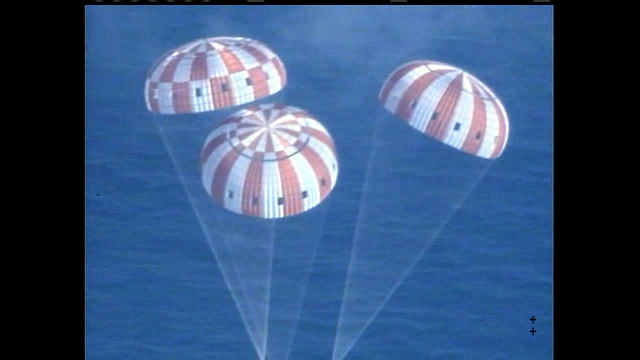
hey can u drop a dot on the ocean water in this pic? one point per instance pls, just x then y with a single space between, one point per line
154 290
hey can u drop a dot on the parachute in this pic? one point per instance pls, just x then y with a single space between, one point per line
269 161
449 105
211 74
266 161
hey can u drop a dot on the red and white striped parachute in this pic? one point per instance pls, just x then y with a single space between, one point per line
449 105
269 161
211 74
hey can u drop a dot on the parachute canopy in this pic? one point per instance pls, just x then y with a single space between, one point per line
448 104
211 74
269 161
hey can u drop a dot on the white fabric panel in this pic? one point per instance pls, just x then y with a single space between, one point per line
486 148
307 180
282 118
323 149
398 89
427 102
215 66
271 190
202 102
165 98
314 124
274 81
235 183
183 70
261 146
211 164
248 61
434 67
241 92
462 114
326 154
284 138
214 158
260 132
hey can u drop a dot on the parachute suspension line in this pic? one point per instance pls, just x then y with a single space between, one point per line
356 237
473 186
272 238
260 349
305 285
205 231
408 270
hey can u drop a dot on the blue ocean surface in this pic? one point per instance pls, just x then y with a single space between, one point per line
154 289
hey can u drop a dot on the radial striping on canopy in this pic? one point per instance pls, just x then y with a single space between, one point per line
269 161
213 73
448 104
